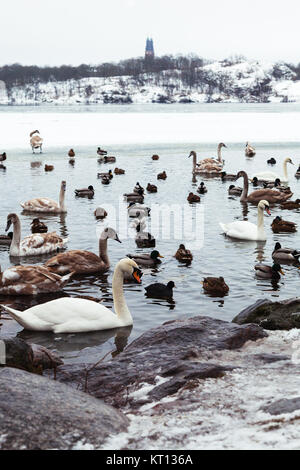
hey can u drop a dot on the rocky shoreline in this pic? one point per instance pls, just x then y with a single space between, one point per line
212 373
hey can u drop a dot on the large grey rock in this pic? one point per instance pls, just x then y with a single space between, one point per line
283 406
171 350
38 413
280 315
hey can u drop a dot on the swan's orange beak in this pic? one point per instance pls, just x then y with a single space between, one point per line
137 274
268 211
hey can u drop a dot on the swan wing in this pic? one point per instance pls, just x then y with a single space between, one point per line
242 230
66 315
75 260
42 204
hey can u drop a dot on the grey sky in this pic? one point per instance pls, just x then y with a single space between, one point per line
56 32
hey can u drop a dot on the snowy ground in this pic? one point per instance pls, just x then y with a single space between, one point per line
224 413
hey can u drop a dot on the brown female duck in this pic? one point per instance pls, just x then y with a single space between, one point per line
279 225
215 286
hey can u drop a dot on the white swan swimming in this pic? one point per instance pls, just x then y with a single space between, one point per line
244 230
45 204
69 315
36 244
271 176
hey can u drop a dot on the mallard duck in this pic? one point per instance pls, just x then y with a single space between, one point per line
38 227
49 167
101 152
148 260
83 261
105 179
71 153
151 188
138 210
279 225
89 191
289 205
155 157
270 176
244 230
183 255
160 291
6 239
73 315
35 141
249 151
162 175
256 182
107 159
32 245
134 197
285 254
44 204
273 184
234 190
193 198
202 188
30 280
264 271
138 189
108 174
215 286
100 213
119 171
2 156
297 174
144 239
270 195
226 177
271 161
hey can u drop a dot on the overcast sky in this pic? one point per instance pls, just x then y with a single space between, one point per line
55 32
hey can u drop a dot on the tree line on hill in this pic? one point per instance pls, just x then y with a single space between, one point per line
19 75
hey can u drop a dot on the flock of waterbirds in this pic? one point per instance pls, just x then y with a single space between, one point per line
71 315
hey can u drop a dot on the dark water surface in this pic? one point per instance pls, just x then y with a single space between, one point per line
219 256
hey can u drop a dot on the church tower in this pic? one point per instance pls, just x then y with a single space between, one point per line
149 51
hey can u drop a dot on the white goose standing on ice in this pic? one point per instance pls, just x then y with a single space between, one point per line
36 141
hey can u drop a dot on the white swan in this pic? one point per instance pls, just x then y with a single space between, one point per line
47 205
244 230
271 176
67 315
36 244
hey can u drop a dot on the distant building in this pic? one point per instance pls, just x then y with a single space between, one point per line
149 51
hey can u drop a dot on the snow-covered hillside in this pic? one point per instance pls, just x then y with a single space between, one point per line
222 81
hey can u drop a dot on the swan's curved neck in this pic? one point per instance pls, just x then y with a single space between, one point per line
194 161
120 305
103 249
260 221
62 199
246 187
285 173
219 153
16 239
